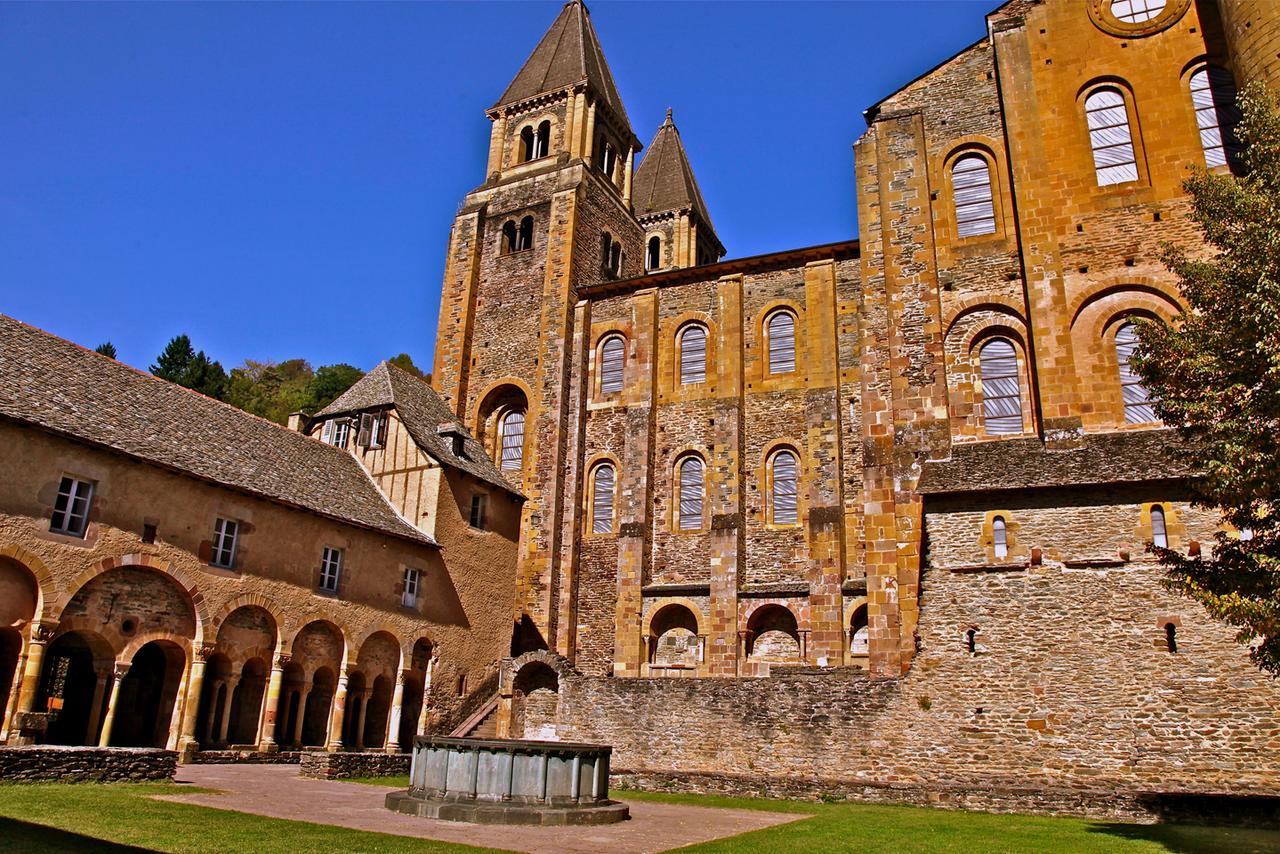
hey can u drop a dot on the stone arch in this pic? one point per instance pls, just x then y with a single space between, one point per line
378 660
963 346
130 650
336 657
256 600
1121 284
773 634
181 577
762 499
941 174
248 631
535 701
498 399
83 662
46 589
759 361
984 302
147 693
674 632
126 602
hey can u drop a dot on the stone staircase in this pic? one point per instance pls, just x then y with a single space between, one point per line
482 724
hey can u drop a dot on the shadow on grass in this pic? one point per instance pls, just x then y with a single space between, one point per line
1194 839
26 836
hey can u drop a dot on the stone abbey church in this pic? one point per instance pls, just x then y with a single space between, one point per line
867 518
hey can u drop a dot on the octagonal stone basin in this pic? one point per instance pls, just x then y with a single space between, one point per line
502 781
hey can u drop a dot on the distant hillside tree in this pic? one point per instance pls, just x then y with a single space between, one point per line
329 382
180 363
1215 374
272 390
107 349
405 361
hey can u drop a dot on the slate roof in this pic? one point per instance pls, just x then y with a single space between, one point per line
568 54
54 385
1120 457
664 180
423 414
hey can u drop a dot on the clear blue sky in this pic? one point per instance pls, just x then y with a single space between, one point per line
278 180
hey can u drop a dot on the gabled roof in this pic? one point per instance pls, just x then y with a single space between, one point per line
423 414
664 181
568 54
57 386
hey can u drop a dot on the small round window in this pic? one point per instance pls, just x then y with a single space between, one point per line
1136 11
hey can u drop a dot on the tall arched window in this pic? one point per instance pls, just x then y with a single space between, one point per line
1213 96
524 239
693 355
602 488
1137 400
526 144
610 256
612 360
653 253
1159 534
690 491
780 329
1001 392
1110 137
971 192
509 237
784 474
1000 537
606 156
542 141
511 431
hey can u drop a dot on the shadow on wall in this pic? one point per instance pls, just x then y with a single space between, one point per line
26 836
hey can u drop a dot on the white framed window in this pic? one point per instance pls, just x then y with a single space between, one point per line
693 355
511 456
226 533
612 361
330 569
71 508
603 485
1213 97
409 597
336 432
1136 11
1159 533
784 473
1110 137
971 193
1000 536
780 332
690 492
1001 388
479 503
1138 407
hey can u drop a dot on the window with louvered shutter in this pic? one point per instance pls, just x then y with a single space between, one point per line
693 355
781 331
785 488
1110 137
611 363
1159 534
971 191
1001 392
512 433
1138 407
691 492
1213 95
1000 537
602 500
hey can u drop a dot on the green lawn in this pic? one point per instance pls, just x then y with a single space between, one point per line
122 817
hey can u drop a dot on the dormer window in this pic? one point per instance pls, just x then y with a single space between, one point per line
373 430
336 432
456 438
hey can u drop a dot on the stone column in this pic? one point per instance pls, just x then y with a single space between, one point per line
339 710
392 741
95 708
41 635
226 709
195 684
11 701
206 737
359 730
120 670
303 693
267 736
425 714
174 730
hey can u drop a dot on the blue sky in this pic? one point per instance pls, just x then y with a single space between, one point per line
278 180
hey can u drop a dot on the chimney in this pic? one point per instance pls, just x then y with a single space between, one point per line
298 421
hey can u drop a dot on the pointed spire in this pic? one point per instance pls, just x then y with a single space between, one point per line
664 181
569 54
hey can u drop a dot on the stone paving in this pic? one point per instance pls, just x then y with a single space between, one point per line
278 791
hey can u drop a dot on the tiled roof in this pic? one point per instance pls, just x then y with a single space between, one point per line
423 414
568 54
664 181
1125 456
57 386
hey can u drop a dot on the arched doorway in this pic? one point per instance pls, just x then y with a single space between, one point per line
246 703
74 687
236 687
213 699
289 715
319 649
773 636
378 661
415 682
315 723
535 696
144 705
356 701
378 712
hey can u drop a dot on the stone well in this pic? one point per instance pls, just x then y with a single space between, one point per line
503 781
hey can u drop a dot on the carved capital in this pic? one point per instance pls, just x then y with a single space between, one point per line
121 669
282 660
206 651
43 632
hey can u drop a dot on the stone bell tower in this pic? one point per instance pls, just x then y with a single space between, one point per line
554 215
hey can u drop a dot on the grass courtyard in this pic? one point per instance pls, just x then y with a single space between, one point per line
123 817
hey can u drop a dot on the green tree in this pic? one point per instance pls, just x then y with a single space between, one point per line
328 384
405 361
1215 373
107 349
270 390
180 363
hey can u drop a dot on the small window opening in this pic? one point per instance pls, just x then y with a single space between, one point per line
653 253
459 445
510 237
542 141
478 506
971 640
526 145
1000 537
1159 535
129 626
1171 637
462 684
148 533
524 239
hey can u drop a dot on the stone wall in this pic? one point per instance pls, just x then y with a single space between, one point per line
323 765
245 757
44 764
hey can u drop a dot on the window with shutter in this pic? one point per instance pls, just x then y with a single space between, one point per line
612 351
1159 534
785 476
780 329
326 434
691 492
378 430
602 489
1000 537
366 426
971 191
512 433
1138 402
693 355
1213 96
1001 390
1110 137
